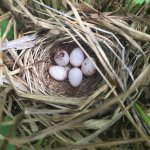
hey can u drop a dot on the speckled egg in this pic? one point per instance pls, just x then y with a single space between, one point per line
61 58
87 67
76 57
75 77
58 73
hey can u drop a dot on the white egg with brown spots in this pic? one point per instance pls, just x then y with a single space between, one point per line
61 58
58 73
88 67
76 57
75 77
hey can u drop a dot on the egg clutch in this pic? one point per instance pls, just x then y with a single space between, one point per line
79 66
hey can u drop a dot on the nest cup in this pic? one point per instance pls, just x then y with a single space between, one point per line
37 62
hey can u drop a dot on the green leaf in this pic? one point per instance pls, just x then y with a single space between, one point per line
134 3
3 26
4 130
9 147
143 115
141 1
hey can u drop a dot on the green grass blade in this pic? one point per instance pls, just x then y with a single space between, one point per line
132 4
145 118
141 1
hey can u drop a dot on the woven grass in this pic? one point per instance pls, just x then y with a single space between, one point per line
74 116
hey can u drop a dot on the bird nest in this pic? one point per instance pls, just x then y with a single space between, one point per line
58 101
31 66
41 57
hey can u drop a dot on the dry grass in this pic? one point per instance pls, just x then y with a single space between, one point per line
75 118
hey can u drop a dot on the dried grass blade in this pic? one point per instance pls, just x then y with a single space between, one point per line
10 23
103 144
52 99
5 16
133 32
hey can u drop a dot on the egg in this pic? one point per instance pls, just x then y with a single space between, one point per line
87 67
75 77
61 58
76 57
58 73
